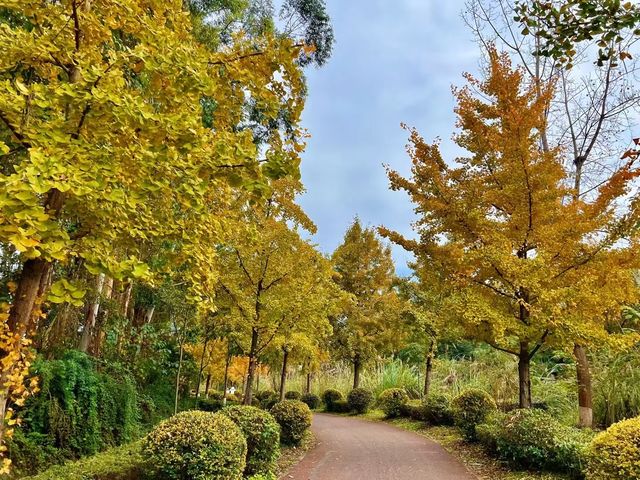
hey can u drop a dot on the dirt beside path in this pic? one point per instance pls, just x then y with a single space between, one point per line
353 449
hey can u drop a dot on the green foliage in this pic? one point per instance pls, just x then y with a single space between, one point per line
437 409
197 446
615 453
533 439
394 374
267 399
329 397
292 395
294 418
311 399
340 406
78 411
359 400
262 433
413 409
616 389
471 408
392 400
120 463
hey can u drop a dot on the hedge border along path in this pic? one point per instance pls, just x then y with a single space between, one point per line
350 448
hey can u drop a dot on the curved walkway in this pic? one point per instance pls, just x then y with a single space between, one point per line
354 449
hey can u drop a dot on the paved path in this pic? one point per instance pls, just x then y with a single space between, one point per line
354 449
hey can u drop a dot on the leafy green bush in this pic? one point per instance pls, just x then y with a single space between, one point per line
615 453
78 412
392 400
533 439
262 433
294 418
341 406
487 433
329 397
437 409
209 404
413 409
196 445
267 399
292 395
471 408
311 399
359 400
120 463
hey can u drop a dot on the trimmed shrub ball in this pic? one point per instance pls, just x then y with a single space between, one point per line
329 397
262 433
392 401
615 453
197 445
292 395
437 410
312 400
359 400
534 439
294 418
341 406
471 408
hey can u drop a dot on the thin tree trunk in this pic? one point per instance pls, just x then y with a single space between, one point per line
356 372
308 387
524 376
283 374
226 374
200 370
92 315
248 393
177 396
207 385
585 398
428 370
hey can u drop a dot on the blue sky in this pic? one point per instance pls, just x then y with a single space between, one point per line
393 62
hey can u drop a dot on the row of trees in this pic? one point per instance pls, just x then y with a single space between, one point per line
145 146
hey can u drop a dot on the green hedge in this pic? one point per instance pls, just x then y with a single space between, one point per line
329 397
197 445
392 401
79 411
533 439
294 418
615 453
262 433
437 409
359 400
120 463
471 408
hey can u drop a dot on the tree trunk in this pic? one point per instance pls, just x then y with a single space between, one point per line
31 287
225 382
92 315
356 372
175 406
308 387
283 374
200 370
248 393
428 370
585 400
207 385
524 376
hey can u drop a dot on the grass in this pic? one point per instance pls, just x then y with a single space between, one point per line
471 455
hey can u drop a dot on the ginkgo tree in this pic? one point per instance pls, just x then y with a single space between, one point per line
529 262
105 145
274 282
368 323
